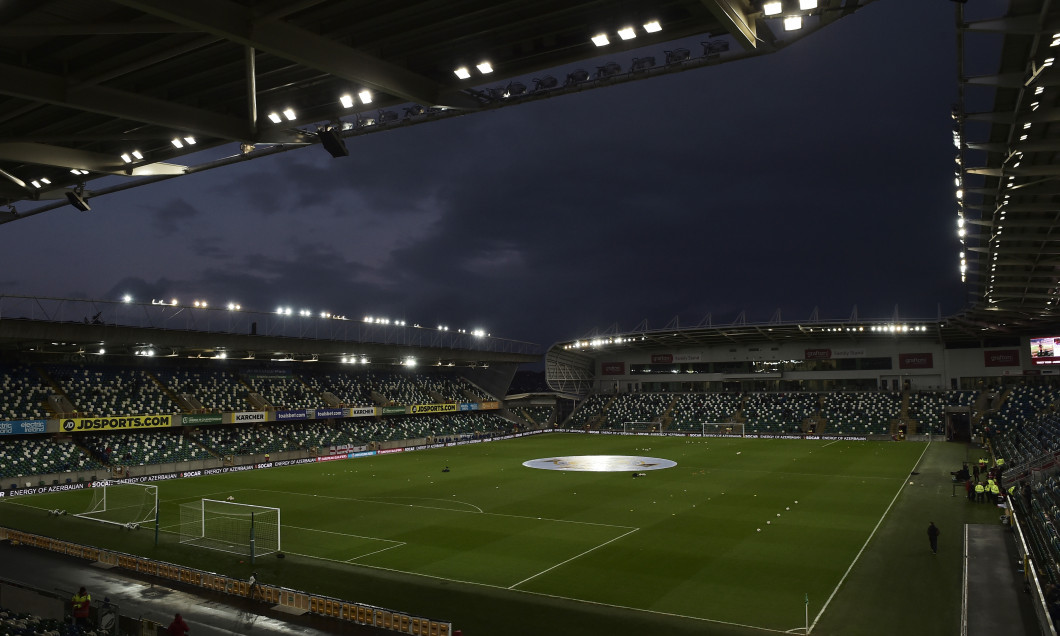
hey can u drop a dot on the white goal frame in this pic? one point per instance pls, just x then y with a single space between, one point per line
106 504
634 428
252 530
723 428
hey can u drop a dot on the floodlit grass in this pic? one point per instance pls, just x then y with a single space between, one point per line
737 533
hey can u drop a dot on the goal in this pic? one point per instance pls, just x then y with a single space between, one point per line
123 504
230 527
734 429
633 428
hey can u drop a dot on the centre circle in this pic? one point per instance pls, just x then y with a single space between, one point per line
601 463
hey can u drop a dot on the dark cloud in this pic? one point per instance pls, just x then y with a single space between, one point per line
173 217
818 177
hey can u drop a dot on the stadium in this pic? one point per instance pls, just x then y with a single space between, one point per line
287 470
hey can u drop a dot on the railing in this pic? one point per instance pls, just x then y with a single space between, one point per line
314 325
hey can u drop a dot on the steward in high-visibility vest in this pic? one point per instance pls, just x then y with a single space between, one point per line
995 491
980 493
80 604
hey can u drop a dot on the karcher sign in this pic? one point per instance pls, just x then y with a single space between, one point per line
435 408
82 424
248 416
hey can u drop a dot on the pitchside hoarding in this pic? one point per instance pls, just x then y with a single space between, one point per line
435 408
83 424
248 417
23 427
201 419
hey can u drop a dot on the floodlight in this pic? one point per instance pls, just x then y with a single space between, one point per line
346 101
177 143
76 201
127 298
45 181
366 96
126 158
36 184
793 23
462 72
653 27
289 114
190 141
137 154
772 8
627 33
677 55
807 5
275 118
643 63
333 143
601 40
484 68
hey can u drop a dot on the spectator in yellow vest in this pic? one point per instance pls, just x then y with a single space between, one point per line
79 605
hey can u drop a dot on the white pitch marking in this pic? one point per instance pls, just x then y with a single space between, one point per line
571 559
866 544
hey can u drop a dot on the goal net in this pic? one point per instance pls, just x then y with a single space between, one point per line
723 428
122 504
230 527
632 428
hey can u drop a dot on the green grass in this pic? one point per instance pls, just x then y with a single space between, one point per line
495 546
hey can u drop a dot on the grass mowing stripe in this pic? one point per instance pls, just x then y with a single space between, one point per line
862 550
572 558
480 512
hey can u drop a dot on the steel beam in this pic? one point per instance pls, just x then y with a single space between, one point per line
737 19
55 89
239 24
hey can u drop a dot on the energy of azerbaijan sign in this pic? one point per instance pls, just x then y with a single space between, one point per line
204 418
82 424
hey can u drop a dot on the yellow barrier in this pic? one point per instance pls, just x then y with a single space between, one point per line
334 608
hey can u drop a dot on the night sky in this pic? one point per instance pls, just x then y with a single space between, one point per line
819 176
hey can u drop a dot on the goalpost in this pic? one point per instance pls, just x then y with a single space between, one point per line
723 428
632 428
122 504
230 527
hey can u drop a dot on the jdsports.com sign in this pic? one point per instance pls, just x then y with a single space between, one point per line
82 424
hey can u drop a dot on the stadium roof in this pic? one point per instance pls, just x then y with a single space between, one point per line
131 89
1006 177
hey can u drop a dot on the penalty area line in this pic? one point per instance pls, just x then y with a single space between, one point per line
389 547
577 556
865 545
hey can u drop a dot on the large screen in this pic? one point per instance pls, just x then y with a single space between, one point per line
1045 350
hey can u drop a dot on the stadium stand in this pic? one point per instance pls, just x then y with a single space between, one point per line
397 389
206 389
638 409
778 412
107 390
287 392
693 410
863 413
143 447
21 457
351 389
928 409
540 415
23 393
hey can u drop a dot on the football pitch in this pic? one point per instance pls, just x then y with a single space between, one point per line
738 532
